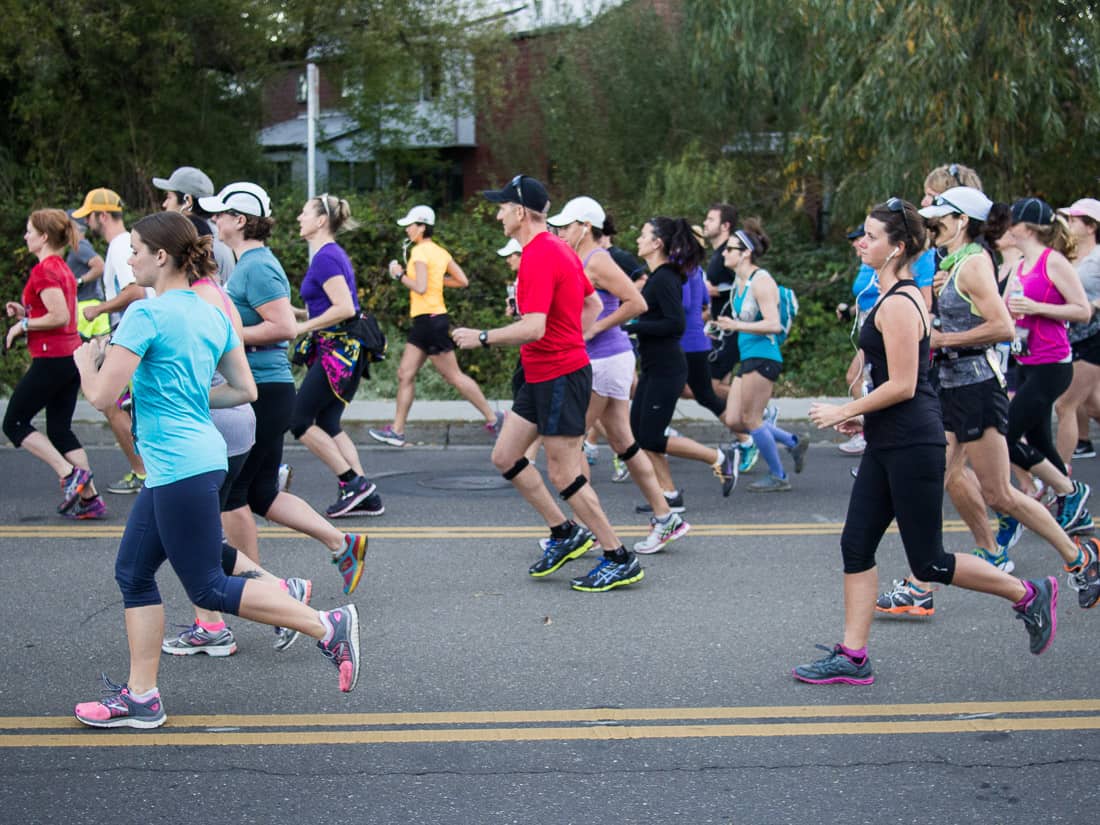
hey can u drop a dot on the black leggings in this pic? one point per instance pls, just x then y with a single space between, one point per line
50 384
905 483
699 379
1037 388
318 404
258 484
653 406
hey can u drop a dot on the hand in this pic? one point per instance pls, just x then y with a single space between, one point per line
726 323
935 339
15 310
85 356
466 338
13 333
300 330
90 312
1020 305
938 280
395 270
842 312
850 426
827 415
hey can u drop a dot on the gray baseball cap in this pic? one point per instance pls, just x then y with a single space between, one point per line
188 180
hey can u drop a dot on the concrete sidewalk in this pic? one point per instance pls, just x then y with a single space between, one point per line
454 423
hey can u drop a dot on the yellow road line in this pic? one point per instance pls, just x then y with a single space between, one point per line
597 733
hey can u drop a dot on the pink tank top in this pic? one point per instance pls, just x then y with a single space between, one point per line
1047 339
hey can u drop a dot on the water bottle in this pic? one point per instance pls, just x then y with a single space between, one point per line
1019 342
512 299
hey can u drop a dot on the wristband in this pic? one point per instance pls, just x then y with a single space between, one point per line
26 322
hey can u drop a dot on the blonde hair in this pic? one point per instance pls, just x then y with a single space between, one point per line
950 175
338 212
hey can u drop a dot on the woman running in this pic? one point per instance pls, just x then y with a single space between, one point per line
755 304
580 225
335 359
901 472
169 348
261 292
431 268
671 250
46 317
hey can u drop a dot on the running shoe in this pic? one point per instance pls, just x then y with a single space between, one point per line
121 710
750 453
286 473
591 452
835 669
127 485
494 427
771 415
88 509
558 551
619 471
1071 504
1040 617
342 648
905 600
351 494
675 504
72 486
197 639
1009 531
662 533
798 453
350 561
854 445
370 506
609 574
388 435
299 590
1086 580
1081 524
770 484
1084 449
999 560
726 469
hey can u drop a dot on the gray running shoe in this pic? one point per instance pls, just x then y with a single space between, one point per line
770 484
300 590
388 435
127 485
835 669
798 453
904 600
197 639
1086 581
726 470
619 471
343 648
1040 617
120 710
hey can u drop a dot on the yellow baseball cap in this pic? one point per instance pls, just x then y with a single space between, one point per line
99 200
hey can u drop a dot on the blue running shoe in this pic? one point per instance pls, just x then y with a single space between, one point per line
558 551
609 574
1009 531
749 455
1071 505
999 560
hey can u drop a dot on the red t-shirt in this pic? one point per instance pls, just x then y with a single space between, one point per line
51 273
551 280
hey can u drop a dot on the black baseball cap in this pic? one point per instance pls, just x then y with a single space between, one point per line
856 233
524 190
1032 210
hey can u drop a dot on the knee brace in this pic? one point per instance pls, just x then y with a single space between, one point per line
517 468
568 492
629 452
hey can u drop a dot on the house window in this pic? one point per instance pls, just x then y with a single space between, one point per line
349 176
431 78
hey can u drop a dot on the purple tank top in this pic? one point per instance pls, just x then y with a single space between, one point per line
1047 338
611 341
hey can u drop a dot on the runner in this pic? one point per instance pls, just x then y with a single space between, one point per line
432 269
552 388
901 472
46 317
260 291
170 348
756 320
336 360
612 358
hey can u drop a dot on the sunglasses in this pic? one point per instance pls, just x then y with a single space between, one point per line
898 205
324 203
516 181
940 200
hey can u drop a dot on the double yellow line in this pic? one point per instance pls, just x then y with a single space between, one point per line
563 725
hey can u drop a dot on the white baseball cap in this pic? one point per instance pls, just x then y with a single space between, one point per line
242 196
959 200
419 214
1085 207
583 210
510 248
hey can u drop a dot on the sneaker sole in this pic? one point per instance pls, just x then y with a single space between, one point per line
129 491
124 722
906 611
353 637
620 583
769 489
835 680
645 509
575 554
216 652
351 503
679 532
392 442
1053 616
360 557
356 513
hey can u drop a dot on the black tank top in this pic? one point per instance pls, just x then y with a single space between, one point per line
916 421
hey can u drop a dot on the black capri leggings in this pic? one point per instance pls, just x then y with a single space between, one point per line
318 404
1037 388
258 484
50 384
653 406
699 379
905 483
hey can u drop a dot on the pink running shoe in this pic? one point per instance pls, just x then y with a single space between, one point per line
121 710
342 647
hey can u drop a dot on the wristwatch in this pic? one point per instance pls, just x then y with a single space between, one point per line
26 323
483 337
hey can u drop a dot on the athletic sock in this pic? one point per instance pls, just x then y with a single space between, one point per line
562 530
144 698
211 627
663 519
329 629
857 656
782 436
620 556
765 442
670 494
1028 598
350 475
1081 560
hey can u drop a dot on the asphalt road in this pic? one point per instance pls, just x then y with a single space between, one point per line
490 697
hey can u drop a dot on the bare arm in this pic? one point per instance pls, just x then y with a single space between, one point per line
766 294
239 387
978 281
605 274
454 276
94 273
104 385
126 296
1076 308
278 324
341 309
57 310
531 327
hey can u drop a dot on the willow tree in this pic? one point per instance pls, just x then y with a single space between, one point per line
873 94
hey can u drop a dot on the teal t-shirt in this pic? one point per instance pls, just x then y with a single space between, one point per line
258 279
180 339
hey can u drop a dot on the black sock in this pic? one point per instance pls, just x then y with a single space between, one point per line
348 476
562 530
620 556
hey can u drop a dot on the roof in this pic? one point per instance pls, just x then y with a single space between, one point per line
289 133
